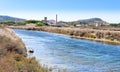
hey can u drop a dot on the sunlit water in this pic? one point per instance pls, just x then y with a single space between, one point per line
75 55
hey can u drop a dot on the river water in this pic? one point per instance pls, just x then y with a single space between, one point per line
60 51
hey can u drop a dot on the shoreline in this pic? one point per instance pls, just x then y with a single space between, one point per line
68 32
99 40
13 54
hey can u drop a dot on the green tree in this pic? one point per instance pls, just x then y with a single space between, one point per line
115 24
32 21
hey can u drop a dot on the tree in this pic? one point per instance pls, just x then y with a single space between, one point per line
40 24
32 21
115 24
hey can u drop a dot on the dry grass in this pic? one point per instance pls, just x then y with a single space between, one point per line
107 35
13 55
10 42
9 45
13 62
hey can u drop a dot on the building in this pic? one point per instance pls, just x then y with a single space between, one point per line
51 22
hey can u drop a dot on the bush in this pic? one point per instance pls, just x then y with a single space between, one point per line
115 25
91 36
20 23
13 62
39 24
13 55
32 21
8 22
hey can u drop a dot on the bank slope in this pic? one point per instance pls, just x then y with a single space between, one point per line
13 54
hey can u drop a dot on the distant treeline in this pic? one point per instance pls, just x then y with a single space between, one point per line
37 22
115 24
43 23
12 23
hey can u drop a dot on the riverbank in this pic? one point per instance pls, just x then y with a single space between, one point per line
104 36
13 54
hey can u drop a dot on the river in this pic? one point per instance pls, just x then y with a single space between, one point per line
75 55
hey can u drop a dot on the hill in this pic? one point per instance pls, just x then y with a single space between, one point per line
92 21
9 18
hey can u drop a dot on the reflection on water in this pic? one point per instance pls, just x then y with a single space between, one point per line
72 54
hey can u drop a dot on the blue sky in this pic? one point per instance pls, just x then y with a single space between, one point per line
67 10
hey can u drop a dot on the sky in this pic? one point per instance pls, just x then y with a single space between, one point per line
67 10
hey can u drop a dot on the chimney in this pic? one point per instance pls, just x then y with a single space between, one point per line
45 20
56 18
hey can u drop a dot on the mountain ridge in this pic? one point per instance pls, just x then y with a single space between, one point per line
4 18
89 21
92 21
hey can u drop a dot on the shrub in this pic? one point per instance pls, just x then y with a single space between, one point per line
91 36
39 24
13 62
32 21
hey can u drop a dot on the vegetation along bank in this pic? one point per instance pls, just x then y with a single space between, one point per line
13 54
105 36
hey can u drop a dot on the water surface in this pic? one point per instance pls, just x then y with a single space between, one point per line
75 55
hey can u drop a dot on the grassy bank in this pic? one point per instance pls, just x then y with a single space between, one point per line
105 36
13 62
13 54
